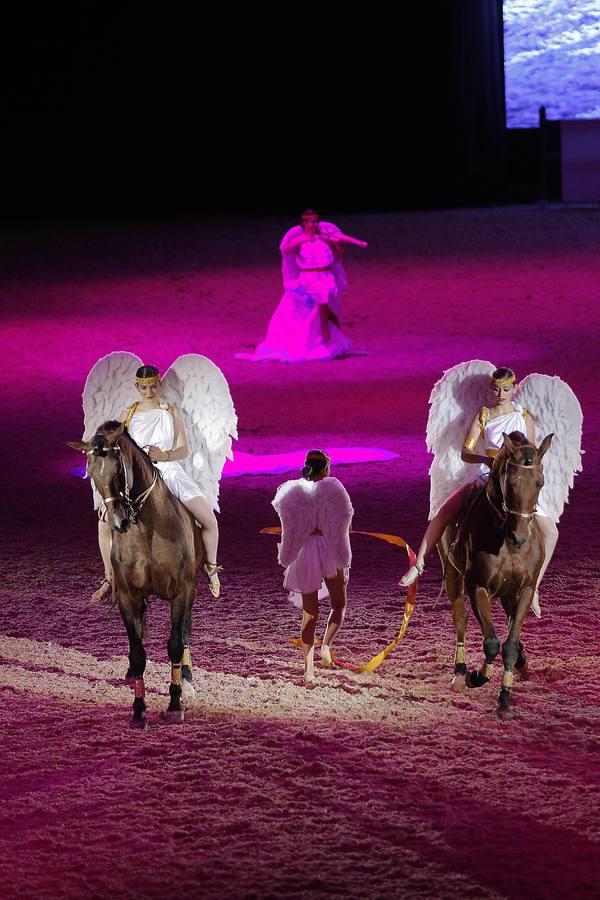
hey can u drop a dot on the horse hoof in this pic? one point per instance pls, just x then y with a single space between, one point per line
505 713
139 724
174 716
458 684
475 679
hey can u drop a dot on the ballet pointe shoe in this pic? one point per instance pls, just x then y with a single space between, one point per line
535 606
415 571
211 570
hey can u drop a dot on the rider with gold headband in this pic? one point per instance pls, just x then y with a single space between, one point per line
452 481
190 462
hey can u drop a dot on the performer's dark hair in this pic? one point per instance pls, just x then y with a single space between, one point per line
147 372
503 374
315 462
309 212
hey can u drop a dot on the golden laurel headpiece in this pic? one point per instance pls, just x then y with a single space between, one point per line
150 379
505 382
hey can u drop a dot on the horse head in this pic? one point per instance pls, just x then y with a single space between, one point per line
517 478
109 468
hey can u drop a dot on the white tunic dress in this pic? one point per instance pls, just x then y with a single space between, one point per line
304 506
155 428
493 438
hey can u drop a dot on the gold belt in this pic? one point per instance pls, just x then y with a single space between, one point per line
322 269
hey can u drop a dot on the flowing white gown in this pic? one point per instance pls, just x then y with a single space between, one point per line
304 506
294 332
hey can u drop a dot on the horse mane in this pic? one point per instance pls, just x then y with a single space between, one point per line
131 450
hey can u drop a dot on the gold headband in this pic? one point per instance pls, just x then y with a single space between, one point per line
505 382
151 379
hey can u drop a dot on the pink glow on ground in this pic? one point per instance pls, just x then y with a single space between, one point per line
382 785
275 463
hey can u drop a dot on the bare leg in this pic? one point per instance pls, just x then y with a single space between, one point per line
105 544
310 611
434 531
206 518
337 598
324 319
550 536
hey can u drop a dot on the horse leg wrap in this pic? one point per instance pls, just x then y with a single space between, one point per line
507 680
488 670
176 673
459 654
186 664
139 688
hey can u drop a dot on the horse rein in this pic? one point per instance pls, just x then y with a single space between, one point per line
503 514
133 506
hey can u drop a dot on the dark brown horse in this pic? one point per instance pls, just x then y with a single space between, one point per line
156 549
497 551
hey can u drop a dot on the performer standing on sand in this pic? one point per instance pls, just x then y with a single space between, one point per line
306 323
315 513
158 427
452 482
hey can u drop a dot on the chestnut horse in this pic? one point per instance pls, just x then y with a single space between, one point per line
497 550
156 549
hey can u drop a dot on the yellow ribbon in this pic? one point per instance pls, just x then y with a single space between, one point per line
409 604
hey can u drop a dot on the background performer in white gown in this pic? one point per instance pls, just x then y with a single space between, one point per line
463 441
315 513
187 443
306 323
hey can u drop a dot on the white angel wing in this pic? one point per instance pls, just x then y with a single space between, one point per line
199 389
454 401
295 506
554 408
109 388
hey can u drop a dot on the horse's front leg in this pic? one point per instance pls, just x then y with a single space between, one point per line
481 602
132 612
187 690
181 606
513 654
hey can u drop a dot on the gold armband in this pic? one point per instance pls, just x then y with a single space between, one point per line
491 452
469 444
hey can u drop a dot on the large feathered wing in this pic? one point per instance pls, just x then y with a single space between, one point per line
335 517
198 388
454 401
109 389
555 409
295 505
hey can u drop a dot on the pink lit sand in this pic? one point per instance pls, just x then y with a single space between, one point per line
368 785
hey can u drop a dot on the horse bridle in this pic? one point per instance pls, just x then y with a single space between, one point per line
505 511
133 506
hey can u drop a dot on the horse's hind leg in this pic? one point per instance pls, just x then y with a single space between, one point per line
181 607
481 602
187 690
132 611
459 617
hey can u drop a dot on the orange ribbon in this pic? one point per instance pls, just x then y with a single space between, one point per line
409 604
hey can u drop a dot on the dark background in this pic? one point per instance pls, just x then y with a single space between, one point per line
136 109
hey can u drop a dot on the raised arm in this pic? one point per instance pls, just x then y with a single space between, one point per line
292 244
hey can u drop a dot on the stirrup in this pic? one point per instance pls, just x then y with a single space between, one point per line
103 591
415 571
211 570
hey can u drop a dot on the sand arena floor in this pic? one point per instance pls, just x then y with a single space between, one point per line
366 786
